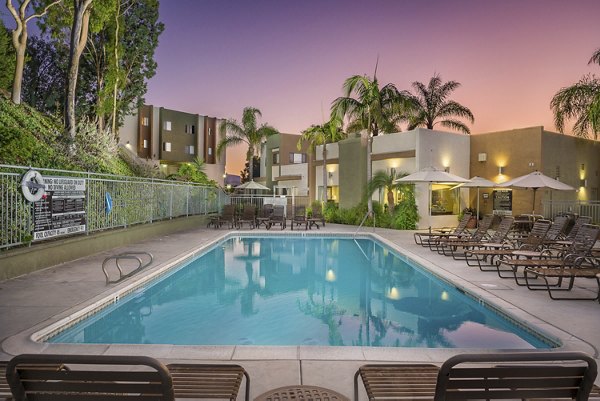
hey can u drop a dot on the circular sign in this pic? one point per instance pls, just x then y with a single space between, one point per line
32 185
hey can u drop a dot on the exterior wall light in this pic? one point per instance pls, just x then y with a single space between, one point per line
501 170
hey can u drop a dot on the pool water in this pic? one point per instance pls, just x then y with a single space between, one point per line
301 291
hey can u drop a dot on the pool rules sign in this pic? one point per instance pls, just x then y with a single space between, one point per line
61 210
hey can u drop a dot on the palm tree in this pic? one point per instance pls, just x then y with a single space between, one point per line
248 132
377 110
431 103
581 102
323 134
382 180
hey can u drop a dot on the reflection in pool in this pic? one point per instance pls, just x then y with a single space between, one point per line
300 291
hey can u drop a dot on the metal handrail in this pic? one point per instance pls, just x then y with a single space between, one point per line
363 222
126 255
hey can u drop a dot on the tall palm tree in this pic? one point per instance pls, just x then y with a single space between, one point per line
581 102
431 103
248 132
323 134
374 109
382 180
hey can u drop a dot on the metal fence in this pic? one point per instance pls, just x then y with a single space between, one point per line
134 201
581 208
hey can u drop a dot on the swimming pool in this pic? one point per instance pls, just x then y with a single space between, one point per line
274 290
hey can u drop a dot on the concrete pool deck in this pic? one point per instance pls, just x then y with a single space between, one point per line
32 302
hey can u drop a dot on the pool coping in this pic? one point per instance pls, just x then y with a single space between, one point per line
28 341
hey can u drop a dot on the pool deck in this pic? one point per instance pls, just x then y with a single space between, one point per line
32 302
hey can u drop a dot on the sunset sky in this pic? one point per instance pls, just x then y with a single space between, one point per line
290 58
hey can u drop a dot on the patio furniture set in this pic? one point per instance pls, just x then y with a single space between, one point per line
268 216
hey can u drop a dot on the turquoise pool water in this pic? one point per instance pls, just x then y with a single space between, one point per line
301 291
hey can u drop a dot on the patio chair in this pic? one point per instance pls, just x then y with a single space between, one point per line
487 255
90 377
432 237
277 217
507 375
208 381
299 218
498 237
316 216
568 239
447 245
227 217
573 257
248 216
264 215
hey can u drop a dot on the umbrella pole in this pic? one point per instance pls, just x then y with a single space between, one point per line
477 217
534 189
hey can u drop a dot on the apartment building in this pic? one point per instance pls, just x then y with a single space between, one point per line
171 137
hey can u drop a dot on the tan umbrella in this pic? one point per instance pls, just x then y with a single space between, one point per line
534 181
477 182
431 174
253 185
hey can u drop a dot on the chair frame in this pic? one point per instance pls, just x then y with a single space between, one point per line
299 217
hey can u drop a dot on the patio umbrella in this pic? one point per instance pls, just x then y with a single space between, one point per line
477 182
534 181
429 175
252 185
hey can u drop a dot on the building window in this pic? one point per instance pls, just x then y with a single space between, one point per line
145 144
189 149
145 121
275 157
190 129
209 131
167 146
167 125
297 158
444 200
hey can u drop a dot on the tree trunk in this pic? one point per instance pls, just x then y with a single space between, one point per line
116 85
324 174
369 173
20 43
250 157
390 199
79 31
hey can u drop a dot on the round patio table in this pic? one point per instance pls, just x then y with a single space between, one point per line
301 393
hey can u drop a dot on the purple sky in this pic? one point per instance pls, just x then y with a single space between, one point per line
289 58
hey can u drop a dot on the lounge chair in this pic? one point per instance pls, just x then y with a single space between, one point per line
88 378
574 256
227 217
524 375
565 242
447 245
248 216
498 237
299 218
265 215
431 238
316 216
104 377
277 217
491 251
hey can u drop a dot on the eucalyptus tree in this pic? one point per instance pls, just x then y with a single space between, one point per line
7 58
329 132
374 109
20 35
581 102
383 181
247 132
432 106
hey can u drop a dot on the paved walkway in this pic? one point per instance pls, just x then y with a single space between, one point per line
32 302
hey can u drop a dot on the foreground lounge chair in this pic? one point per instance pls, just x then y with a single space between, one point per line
104 377
484 376
498 238
227 217
299 218
568 240
88 379
264 215
431 238
447 246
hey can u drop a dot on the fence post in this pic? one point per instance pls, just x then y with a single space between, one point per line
87 203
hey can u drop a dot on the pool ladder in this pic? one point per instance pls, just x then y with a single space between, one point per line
129 256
